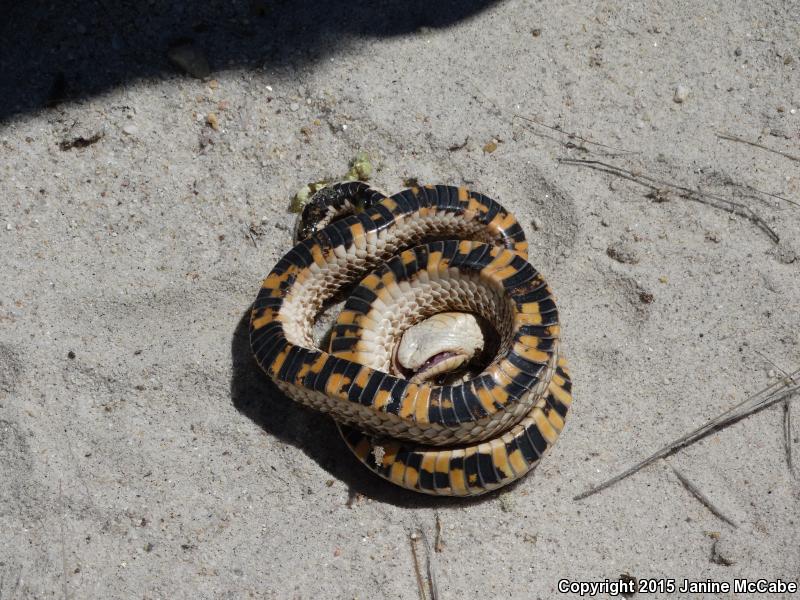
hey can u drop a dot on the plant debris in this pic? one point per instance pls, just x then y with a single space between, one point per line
657 186
81 141
778 391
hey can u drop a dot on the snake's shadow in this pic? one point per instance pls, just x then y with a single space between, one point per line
254 395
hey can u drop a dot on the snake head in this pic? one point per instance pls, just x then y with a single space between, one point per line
440 344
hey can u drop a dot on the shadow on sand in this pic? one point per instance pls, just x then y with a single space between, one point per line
254 395
56 51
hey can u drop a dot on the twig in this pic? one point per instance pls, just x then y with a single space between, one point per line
652 183
438 543
417 569
434 589
768 396
735 138
787 436
456 147
704 500
787 418
763 193
499 113
571 135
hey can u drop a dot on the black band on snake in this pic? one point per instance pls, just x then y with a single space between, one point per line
421 252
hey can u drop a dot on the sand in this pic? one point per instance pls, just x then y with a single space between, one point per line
143 455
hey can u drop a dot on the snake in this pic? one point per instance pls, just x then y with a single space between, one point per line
399 260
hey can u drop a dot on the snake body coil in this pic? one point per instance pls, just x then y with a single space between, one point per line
424 251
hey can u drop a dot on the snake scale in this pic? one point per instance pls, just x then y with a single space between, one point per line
422 251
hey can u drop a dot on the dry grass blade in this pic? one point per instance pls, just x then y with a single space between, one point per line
417 569
438 543
701 497
736 138
571 136
776 392
763 193
787 436
657 185
434 589
787 417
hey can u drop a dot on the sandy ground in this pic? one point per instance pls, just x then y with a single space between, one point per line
142 455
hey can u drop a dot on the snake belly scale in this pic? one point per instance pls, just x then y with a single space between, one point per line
419 252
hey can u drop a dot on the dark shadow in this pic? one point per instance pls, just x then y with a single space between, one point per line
71 49
254 395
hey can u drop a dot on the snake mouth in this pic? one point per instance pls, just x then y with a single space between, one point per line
435 360
438 368
441 363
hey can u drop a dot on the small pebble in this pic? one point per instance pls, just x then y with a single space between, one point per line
8 227
738 51
130 130
536 32
537 224
294 107
681 94
771 373
70 354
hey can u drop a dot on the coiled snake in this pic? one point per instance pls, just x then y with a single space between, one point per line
422 251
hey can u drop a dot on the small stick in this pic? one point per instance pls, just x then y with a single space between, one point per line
571 135
787 436
499 112
763 193
456 147
417 569
764 398
704 500
438 543
434 589
735 138
703 197
787 417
